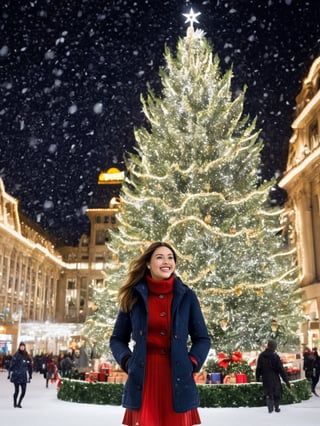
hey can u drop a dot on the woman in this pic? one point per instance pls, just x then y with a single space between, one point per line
20 373
150 342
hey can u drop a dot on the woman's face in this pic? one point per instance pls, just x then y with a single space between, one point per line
162 264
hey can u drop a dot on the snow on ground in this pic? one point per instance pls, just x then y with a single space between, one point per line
42 408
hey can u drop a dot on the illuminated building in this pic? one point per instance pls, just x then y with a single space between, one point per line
301 180
45 289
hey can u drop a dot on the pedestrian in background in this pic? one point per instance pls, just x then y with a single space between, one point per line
307 363
315 370
51 370
269 370
20 373
6 361
158 312
66 365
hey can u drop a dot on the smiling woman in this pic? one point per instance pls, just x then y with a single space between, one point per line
162 263
158 312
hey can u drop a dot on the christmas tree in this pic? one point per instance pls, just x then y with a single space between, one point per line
193 182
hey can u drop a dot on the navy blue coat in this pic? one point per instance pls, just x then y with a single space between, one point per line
20 370
187 320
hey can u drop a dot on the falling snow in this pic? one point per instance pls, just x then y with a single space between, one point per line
73 73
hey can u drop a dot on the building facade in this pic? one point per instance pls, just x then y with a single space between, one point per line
44 289
301 181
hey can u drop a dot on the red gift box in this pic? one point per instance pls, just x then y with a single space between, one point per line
241 378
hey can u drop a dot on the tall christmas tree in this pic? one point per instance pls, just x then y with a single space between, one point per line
193 182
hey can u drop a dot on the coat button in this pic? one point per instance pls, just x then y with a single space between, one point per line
163 332
163 314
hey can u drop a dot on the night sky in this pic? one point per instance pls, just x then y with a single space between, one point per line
72 72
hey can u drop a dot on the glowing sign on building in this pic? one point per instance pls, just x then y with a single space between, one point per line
111 176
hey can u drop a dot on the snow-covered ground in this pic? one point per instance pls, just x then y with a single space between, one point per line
42 408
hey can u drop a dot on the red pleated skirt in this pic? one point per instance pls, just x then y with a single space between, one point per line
157 407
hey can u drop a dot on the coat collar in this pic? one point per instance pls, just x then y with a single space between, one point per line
179 289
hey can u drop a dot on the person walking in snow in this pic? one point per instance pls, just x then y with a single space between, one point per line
159 312
50 371
20 373
315 370
307 363
269 370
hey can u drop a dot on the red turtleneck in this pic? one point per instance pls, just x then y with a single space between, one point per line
159 306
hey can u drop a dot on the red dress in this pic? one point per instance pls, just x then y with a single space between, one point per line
157 408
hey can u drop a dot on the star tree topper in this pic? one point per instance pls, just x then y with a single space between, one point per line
191 17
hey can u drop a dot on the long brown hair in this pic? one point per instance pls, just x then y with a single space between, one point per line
137 270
